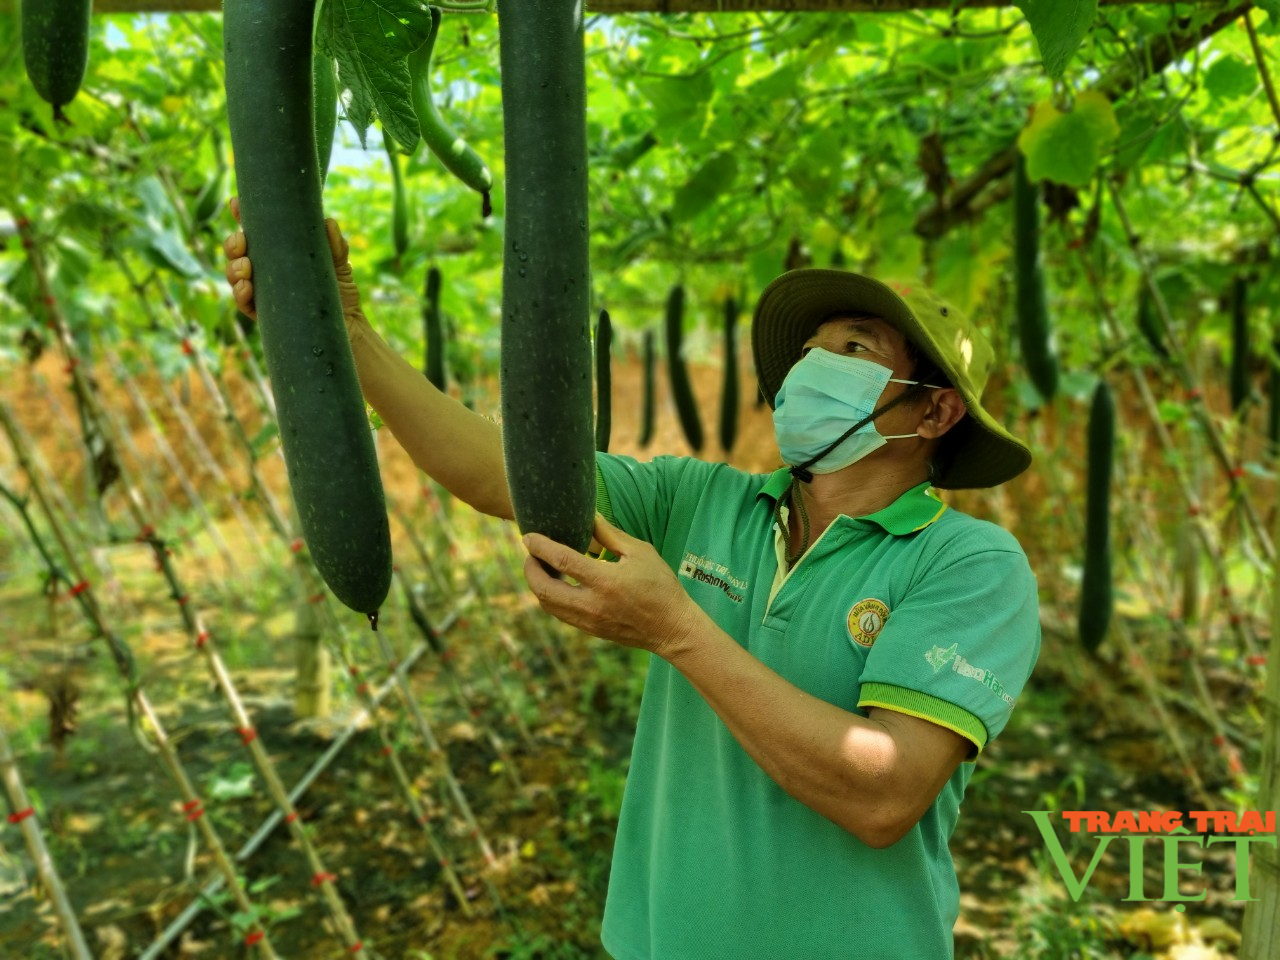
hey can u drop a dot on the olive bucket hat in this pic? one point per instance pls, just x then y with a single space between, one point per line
983 453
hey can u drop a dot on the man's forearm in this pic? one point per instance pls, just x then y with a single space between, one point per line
455 446
838 763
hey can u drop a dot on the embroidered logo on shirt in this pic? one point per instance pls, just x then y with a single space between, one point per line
866 620
939 658
716 574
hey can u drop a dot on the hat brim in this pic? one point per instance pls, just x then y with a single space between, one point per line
795 304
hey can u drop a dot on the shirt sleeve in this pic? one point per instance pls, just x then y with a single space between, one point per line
959 647
637 497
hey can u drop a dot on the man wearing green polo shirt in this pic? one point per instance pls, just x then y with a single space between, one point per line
832 644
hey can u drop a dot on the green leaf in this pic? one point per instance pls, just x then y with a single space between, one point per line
1229 78
262 441
1068 147
1059 26
370 40
156 236
167 250
1170 142
707 183
678 102
1138 126
781 83
8 147
1270 6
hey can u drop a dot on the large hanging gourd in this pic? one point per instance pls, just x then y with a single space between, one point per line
678 373
55 49
328 447
433 328
1096 591
1239 343
647 394
1035 331
604 381
729 392
545 377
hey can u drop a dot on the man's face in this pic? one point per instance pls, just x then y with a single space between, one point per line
866 339
874 340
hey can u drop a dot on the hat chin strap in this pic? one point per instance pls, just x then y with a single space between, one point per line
802 472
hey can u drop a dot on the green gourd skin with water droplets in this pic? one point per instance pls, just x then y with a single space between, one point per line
328 447
546 383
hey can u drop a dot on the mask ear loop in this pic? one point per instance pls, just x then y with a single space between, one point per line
801 473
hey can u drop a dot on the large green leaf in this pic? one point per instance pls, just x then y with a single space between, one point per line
1059 26
370 40
707 183
1068 147
1230 78
156 235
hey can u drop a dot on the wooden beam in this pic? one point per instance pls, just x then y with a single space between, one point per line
653 6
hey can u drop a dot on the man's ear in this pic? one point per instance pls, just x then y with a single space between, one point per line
945 410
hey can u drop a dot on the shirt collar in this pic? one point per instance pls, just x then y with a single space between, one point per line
914 510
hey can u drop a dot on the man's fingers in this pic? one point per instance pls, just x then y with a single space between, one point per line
239 269
337 242
560 557
610 537
549 591
242 290
235 245
234 204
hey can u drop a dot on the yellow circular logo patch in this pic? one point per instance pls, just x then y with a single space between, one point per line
866 620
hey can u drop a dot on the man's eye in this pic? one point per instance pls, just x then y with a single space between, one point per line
853 346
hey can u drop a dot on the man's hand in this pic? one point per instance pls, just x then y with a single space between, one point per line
635 602
240 270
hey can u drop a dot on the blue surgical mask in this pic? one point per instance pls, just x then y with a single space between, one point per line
823 396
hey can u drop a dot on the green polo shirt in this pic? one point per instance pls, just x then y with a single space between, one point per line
917 608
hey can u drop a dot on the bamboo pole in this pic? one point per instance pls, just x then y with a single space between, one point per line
204 456
84 593
1238 623
1261 928
202 640
457 687
59 505
198 905
1217 444
478 649
331 632
22 813
419 813
162 445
